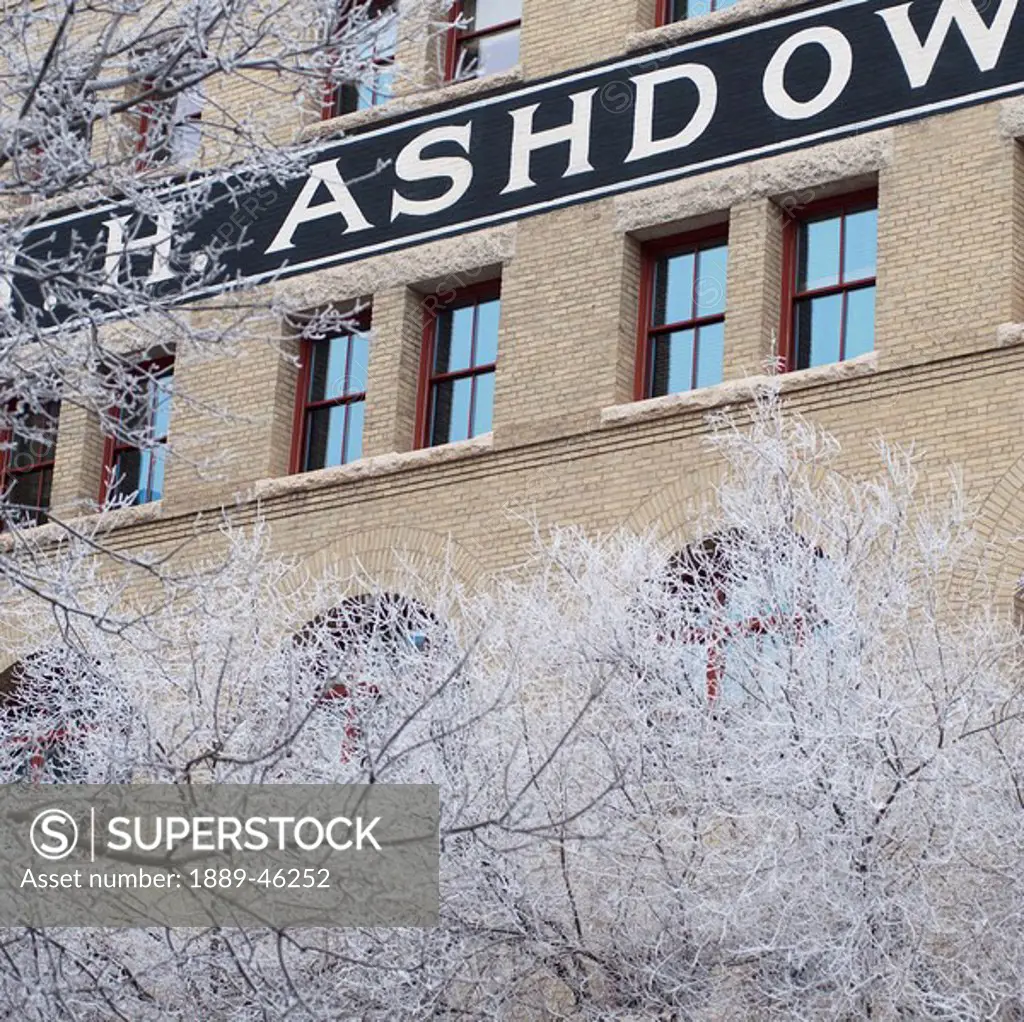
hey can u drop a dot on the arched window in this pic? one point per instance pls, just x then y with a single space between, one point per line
350 648
38 743
734 618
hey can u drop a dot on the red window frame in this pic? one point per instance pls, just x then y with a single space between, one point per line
333 92
112 446
148 159
362 620
714 640
457 38
696 566
842 206
651 254
39 746
8 472
303 406
474 294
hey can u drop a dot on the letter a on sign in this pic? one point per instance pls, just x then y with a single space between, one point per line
341 203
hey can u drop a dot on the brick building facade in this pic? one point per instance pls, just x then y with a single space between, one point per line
571 432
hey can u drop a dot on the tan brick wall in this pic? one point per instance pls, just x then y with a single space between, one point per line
951 272
226 421
391 386
78 462
555 330
946 236
597 31
754 287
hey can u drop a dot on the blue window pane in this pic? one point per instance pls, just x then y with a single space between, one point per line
354 432
488 316
325 429
384 85
818 323
145 475
483 403
710 353
711 265
453 347
156 475
819 254
364 96
673 290
358 361
680 9
672 370
161 407
451 411
488 13
860 322
327 371
386 37
496 52
861 245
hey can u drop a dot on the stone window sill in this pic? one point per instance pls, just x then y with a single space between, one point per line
370 468
413 102
83 521
737 391
679 31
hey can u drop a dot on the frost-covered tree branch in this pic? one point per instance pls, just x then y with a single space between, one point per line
771 772
107 106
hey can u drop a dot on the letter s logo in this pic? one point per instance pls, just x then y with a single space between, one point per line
61 831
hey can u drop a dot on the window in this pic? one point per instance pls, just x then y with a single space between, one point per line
489 44
169 129
332 399
460 349
65 144
27 465
37 746
682 314
729 636
681 10
351 647
829 296
376 37
135 455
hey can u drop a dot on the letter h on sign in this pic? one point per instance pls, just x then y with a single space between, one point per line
159 241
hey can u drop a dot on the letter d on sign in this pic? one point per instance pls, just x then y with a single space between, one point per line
643 119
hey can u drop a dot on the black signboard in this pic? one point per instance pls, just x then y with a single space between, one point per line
798 79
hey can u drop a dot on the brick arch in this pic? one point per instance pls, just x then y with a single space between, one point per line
1000 523
683 512
397 558
23 642
679 512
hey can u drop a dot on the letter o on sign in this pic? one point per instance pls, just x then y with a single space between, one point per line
840 56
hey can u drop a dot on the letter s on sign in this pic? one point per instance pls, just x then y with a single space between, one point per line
411 166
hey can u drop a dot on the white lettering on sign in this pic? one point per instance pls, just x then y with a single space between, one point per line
302 212
526 141
840 56
984 41
644 144
159 242
411 165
